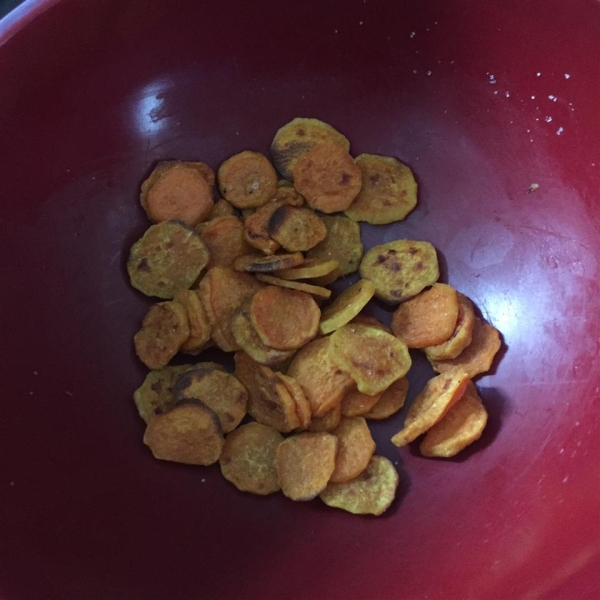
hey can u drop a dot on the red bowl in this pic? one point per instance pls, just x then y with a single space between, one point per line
482 100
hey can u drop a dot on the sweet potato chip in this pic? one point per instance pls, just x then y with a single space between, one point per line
284 319
390 401
372 322
427 319
463 424
222 208
303 411
432 404
373 358
296 229
346 306
355 403
311 268
189 433
305 463
307 288
249 460
355 449
286 194
327 279
268 264
199 324
224 238
256 231
371 493
329 421
164 329
478 356
400 269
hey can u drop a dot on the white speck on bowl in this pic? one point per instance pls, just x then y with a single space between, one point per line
559 131
548 119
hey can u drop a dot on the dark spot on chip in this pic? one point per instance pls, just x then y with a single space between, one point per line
419 266
396 293
300 131
272 405
226 460
386 203
380 259
143 266
345 180
374 178
395 267
412 250
156 387
229 417
447 384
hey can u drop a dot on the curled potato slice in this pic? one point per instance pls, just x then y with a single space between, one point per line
390 401
355 403
329 421
346 306
296 229
268 264
303 411
224 238
311 268
355 449
199 324
307 288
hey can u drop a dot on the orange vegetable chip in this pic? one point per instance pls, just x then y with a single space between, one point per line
355 449
372 322
313 290
199 324
355 403
346 306
224 238
268 264
390 401
303 411
296 229
329 421
311 268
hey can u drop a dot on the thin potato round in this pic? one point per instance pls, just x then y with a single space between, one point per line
256 231
287 194
342 244
303 410
222 291
222 208
478 356
427 319
356 404
313 290
311 268
249 459
400 269
305 463
355 449
296 229
224 238
297 137
324 384
373 358
218 390
439 395
269 401
189 433
388 192
247 180
268 264
390 401
371 493
199 324
167 258
164 329
328 279
371 322
346 306
327 178
461 336
463 424
284 319
328 422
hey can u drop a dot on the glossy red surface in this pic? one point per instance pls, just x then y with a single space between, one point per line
92 94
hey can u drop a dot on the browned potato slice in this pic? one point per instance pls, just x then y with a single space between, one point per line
430 406
247 180
463 424
372 322
400 269
346 306
169 257
322 381
373 358
303 411
305 463
478 356
164 329
287 194
197 319
313 290
342 244
297 137
268 264
371 493
224 238
355 449
284 319
222 292
189 433
218 390
178 190
461 336
249 341
296 229
249 459
256 231
390 401
388 192
311 268
427 319
327 178
222 208
269 401
355 403
329 421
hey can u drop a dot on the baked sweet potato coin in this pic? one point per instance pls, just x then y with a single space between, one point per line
307 288
311 268
303 410
224 238
297 137
478 356
164 329
427 319
296 229
400 269
439 395
256 231
169 257
324 383
284 319
388 192
463 424
390 401
371 493
189 433
329 421
328 178
268 264
249 460
287 194
355 449
355 403
342 244
222 208
373 358
372 322
198 322
346 306
218 390
305 463
247 180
